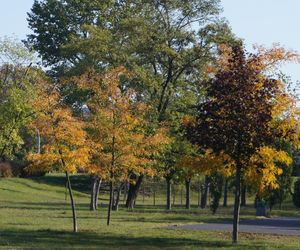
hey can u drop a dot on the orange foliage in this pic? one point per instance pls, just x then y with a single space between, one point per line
121 136
65 139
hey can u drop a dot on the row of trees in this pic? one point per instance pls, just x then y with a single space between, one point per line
147 88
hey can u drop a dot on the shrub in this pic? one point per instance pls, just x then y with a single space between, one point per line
6 170
11 169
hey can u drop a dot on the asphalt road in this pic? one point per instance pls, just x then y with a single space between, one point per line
280 226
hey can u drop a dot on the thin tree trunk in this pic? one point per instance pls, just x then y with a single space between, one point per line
237 202
115 191
199 194
225 193
97 192
38 141
181 196
126 188
110 201
243 195
187 193
169 193
153 197
111 184
93 193
174 195
72 203
205 195
66 191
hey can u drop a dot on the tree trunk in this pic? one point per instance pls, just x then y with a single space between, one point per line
181 195
237 202
225 193
187 193
117 198
114 200
126 188
133 192
243 195
97 192
199 194
169 193
280 205
72 203
205 194
38 141
110 201
93 192
153 197
174 195
66 191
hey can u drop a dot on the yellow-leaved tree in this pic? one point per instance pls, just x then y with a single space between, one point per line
66 147
122 138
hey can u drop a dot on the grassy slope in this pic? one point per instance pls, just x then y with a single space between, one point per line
35 215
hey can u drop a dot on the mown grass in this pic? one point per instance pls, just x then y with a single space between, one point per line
35 215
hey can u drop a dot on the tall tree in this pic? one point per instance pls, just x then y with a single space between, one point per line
164 43
235 117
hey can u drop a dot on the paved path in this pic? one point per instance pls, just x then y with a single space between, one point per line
281 226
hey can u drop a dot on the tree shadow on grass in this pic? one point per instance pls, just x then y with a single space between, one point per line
177 209
42 205
10 190
80 183
176 220
48 239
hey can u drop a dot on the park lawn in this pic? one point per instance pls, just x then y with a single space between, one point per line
35 215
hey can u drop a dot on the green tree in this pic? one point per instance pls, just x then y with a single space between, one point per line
17 78
163 42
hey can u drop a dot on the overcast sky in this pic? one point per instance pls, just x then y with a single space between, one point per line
256 21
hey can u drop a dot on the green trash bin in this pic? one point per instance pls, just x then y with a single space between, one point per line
261 208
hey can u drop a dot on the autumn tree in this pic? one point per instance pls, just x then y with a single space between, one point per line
66 147
236 115
123 141
215 167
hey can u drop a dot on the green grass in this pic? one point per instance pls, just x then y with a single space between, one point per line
35 215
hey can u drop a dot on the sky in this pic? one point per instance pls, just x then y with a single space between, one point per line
265 22
262 22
